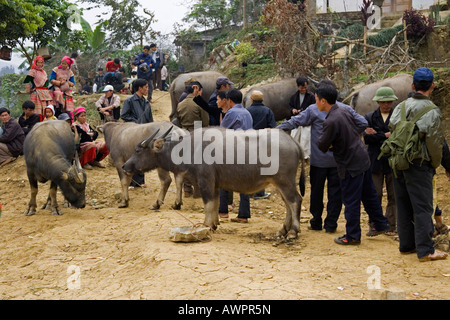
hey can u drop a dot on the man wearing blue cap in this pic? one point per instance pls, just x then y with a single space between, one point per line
414 186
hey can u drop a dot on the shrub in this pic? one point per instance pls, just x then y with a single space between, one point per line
418 25
245 52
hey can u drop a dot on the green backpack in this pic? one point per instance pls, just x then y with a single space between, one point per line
404 145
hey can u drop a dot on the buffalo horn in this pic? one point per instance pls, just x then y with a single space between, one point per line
165 133
145 142
78 169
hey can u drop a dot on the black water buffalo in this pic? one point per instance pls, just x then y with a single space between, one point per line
49 150
206 78
276 96
361 99
217 158
121 140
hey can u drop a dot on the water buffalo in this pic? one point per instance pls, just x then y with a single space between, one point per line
361 99
121 139
206 78
276 96
217 158
49 150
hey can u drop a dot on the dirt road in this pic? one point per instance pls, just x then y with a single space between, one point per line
103 252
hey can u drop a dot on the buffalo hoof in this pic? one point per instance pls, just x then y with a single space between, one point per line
156 206
123 204
176 206
29 212
281 234
292 235
46 206
56 212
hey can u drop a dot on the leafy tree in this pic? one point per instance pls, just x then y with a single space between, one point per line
9 84
37 21
127 27
211 14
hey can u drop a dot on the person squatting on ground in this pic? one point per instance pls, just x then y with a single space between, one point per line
29 118
414 186
91 152
374 136
342 136
108 105
11 139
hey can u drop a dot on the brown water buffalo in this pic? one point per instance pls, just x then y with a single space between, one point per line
276 96
361 99
236 160
121 140
206 78
49 151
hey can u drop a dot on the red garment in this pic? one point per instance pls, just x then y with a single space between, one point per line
112 67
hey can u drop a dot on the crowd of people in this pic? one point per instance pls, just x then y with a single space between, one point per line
345 147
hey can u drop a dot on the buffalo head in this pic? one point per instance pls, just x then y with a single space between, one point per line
73 184
144 157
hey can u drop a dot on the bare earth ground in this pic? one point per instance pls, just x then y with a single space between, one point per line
126 253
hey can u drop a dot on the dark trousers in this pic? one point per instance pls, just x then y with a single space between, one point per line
115 115
138 180
318 176
390 213
414 199
150 89
157 83
354 190
244 204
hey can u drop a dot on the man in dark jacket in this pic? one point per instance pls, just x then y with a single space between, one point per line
341 135
137 109
262 118
11 141
374 136
302 99
299 101
28 118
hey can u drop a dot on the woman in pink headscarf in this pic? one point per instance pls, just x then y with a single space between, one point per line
62 79
36 83
91 152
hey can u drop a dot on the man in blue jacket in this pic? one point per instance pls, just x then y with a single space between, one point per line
146 64
236 117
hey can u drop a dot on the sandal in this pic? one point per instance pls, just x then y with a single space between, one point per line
437 255
345 241
239 220
443 229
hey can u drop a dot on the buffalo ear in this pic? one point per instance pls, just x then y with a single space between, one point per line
64 175
158 145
